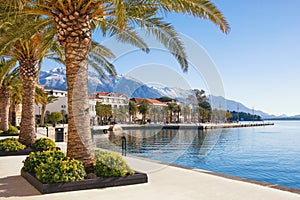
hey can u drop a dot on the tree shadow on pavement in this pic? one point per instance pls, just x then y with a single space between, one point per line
16 186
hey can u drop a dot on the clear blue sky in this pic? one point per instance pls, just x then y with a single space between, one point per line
258 61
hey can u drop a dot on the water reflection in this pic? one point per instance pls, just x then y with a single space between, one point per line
161 144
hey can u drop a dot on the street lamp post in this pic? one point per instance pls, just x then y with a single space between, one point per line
40 114
63 108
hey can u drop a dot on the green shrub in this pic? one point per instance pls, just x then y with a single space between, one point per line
36 158
44 125
1 131
111 164
11 144
12 130
43 144
60 171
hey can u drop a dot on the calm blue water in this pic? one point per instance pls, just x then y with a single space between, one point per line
270 154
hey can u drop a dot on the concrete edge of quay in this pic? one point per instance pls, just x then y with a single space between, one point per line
199 126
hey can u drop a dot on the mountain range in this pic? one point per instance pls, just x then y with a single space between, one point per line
56 79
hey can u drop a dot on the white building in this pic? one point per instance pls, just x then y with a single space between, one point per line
57 93
106 98
110 98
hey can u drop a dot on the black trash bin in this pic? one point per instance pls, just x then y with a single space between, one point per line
59 134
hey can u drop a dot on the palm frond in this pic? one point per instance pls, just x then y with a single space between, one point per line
203 9
128 36
166 35
5 67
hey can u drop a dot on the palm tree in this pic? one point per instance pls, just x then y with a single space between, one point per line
15 100
133 109
144 109
171 108
186 111
27 40
177 109
43 98
74 22
10 80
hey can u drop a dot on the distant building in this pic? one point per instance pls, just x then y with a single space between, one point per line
157 110
18 114
57 93
107 98
57 106
151 102
110 98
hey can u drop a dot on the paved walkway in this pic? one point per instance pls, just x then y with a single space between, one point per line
165 182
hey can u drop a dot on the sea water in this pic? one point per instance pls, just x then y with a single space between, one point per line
268 153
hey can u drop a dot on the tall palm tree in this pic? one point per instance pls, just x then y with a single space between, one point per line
144 109
177 109
12 78
133 109
24 42
75 20
171 108
15 100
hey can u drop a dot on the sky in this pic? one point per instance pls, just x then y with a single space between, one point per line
257 61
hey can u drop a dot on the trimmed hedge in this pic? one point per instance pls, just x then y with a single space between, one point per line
54 167
111 165
43 144
36 158
11 144
60 171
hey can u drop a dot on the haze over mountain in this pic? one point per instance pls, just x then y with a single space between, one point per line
56 79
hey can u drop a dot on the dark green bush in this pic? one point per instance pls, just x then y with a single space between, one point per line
36 158
60 171
1 131
111 164
11 144
43 144
18 127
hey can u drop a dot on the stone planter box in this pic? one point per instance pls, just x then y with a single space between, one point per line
8 135
99 182
26 151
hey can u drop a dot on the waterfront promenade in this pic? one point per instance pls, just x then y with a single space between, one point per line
165 182
200 126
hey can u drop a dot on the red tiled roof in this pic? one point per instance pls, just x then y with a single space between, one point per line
149 101
103 93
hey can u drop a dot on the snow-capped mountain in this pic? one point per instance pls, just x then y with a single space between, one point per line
53 79
56 79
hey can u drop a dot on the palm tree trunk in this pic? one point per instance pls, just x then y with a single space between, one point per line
75 36
10 114
80 144
4 109
28 74
13 114
43 114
